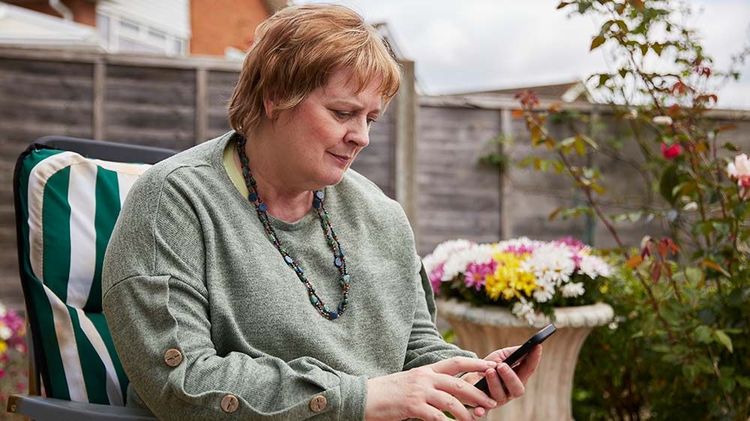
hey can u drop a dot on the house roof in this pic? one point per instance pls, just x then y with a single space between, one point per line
24 27
567 91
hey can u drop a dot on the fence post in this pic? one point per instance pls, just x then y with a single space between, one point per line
406 145
201 104
506 125
97 108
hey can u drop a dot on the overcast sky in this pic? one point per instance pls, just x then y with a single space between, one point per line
489 44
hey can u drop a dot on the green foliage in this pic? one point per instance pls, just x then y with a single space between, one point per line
493 156
679 347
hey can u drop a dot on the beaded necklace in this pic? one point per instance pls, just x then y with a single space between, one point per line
325 223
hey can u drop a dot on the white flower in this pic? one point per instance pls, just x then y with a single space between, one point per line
594 266
519 243
524 310
457 262
662 120
442 252
5 333
572 289
3 310
740 168
544 291
690 206
551 262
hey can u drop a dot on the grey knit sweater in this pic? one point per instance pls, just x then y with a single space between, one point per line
210 322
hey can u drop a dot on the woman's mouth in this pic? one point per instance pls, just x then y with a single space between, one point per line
343 160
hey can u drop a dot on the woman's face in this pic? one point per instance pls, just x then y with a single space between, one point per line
317 141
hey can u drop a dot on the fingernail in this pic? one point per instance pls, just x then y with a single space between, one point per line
492 403
491 364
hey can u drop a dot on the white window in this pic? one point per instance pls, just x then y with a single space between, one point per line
122 34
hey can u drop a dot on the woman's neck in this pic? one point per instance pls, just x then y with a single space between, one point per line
283 200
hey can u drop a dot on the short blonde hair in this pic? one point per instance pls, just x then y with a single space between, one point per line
297 49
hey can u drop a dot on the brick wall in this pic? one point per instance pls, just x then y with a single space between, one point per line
232 25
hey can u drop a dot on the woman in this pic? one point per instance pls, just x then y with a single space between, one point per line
255 275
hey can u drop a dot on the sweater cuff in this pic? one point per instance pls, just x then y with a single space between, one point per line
353 391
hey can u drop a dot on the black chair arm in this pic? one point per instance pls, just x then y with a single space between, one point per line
41 408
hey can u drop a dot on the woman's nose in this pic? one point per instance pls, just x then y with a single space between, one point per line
359 133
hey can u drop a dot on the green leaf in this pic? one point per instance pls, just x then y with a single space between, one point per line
592 143
727 383
703 334
669 180
622 25
596 42
724 339
580 146
568 141
743 381
731 147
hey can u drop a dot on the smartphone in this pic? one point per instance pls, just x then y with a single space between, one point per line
515 358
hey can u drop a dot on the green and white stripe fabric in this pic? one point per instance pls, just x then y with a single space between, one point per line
70 205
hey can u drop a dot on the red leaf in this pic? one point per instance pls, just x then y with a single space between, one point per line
634 261
656 272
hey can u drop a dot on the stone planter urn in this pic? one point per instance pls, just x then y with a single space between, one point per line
548 391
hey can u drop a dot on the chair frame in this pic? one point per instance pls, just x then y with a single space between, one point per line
34 405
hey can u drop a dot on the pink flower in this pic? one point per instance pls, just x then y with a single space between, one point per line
436 277
573 243
740 169
671 152
520 249
476 273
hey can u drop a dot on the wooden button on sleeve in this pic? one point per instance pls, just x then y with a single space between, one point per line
173 357
230 403
318 403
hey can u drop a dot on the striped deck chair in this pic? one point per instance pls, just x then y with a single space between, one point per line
68 193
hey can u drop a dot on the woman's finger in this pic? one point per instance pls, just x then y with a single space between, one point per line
501 354
510 379
497 391
467 394
448 403
456 365
529 364
428 412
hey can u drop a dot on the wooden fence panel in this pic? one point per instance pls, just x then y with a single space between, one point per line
150 106
457 197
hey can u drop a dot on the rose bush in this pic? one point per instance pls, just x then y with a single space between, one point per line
680 348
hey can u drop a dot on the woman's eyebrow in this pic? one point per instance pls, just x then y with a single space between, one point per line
354 104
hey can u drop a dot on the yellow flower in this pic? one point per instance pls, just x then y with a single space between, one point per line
494 286
3 347
508 278
526 283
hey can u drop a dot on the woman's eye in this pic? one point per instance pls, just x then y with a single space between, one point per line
342 114
371 120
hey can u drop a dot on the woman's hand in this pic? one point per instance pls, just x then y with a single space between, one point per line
503 382
426 392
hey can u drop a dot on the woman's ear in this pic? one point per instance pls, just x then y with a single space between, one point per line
269 107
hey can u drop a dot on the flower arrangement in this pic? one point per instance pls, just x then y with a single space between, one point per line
12 354
525 275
